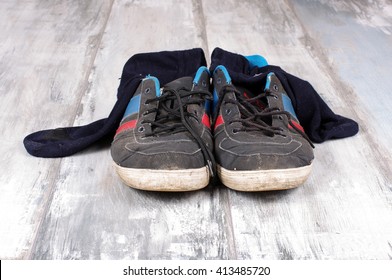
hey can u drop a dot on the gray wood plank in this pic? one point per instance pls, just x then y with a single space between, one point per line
46 51
93 215
56 69
343 210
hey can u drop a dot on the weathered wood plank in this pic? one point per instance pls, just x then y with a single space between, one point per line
46 51
54 62
343 210
93 215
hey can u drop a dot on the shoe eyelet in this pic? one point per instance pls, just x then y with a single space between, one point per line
219 80
141 129
147 90
280 118
275 96
275 87
203 83
228 111
234 131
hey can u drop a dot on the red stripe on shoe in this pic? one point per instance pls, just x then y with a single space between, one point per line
297 125
206 121
219 121
125 126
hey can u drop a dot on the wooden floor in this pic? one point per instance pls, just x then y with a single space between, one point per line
59 66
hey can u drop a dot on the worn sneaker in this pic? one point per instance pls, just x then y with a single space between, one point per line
259 143
164 142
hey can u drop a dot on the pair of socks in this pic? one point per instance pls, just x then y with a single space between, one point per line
319 121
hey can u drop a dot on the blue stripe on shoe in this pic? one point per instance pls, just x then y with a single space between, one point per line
215 100
225 72
288 106
268 82
199 72
133 106
157 84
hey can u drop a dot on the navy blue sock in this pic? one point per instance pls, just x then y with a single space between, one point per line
166 66
318 120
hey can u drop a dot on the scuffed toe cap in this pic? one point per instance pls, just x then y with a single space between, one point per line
185 155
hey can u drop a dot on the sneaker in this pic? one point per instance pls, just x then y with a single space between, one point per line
164 141
259 143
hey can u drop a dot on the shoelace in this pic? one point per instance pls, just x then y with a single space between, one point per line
255 118
172 117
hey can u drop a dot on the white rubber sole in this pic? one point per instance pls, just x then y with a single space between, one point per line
164 180
264 180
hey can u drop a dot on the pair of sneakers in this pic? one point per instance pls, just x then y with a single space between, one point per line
177 136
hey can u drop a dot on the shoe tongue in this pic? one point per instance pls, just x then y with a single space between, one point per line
182 86
184 82
261 102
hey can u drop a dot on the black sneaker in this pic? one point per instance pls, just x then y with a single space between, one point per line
164 141
259 143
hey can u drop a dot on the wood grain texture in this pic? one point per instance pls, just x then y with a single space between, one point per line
60 64
343 210
46 51
93 214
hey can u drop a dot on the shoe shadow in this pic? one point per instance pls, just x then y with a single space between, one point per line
263 196
178 196
217 189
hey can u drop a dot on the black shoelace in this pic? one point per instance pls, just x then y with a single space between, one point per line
173 117
256 118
